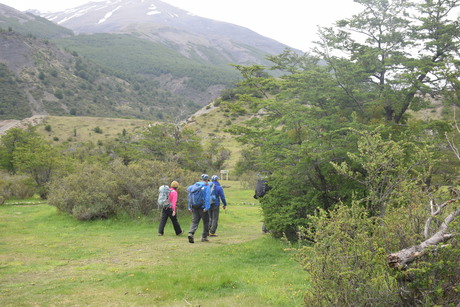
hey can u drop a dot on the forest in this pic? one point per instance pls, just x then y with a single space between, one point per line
358 140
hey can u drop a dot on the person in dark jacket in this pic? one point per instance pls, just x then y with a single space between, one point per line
218 196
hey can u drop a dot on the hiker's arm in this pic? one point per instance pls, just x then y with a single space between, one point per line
222 197
173 199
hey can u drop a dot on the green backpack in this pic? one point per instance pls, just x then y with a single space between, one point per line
163 197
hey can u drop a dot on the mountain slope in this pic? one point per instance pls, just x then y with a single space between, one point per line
57 82
154 20
29 24
132 58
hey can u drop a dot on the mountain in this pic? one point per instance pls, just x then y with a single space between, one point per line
211 41
40 78
129 58
29 24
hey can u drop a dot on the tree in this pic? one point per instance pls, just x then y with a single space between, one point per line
386 59
170 143
388 169
300 130
13 139
39 159
352 257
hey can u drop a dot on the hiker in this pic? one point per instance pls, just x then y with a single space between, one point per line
170 211
262 188
199 201
217 194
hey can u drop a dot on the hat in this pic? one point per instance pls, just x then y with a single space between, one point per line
205 177
174 184
215 177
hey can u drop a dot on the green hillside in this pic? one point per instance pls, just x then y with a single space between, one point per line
128 55
13 103
30 25
54 81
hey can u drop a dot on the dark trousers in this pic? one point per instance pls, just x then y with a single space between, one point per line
213 218
198 214
165 213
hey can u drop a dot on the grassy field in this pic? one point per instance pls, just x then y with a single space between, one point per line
83 129
50 259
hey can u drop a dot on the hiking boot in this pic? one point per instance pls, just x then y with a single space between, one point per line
212 235
190 238
204 239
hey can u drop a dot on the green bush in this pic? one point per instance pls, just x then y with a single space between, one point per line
347 262
347 265
139 182
434 279
95 211
94 191
88 193
16 187
59 94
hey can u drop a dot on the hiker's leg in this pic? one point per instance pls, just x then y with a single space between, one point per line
195 220
214 219
205 217
164 219
211 216
176 225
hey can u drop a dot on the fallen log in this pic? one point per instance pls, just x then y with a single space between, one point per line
402 258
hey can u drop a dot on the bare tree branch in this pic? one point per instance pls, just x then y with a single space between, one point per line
402 258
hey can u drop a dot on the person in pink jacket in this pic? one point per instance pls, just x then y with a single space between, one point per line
170 211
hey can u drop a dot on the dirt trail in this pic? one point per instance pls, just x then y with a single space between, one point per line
12 123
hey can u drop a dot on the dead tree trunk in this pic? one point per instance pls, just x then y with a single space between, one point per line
402 258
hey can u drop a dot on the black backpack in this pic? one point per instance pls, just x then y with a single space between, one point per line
261 188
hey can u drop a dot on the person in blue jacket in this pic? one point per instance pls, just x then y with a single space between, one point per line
216 196
201 213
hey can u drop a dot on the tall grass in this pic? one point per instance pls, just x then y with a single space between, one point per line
47 258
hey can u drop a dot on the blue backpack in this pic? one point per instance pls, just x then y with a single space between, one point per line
196 195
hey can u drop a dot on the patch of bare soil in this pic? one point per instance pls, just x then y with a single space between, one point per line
26 122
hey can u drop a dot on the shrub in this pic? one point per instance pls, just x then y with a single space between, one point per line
16 187
94 191
348 261
139 182
88 193
346 264
59 94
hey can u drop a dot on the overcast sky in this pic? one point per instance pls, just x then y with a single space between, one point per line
292 22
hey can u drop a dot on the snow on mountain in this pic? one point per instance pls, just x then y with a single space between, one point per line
161 22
